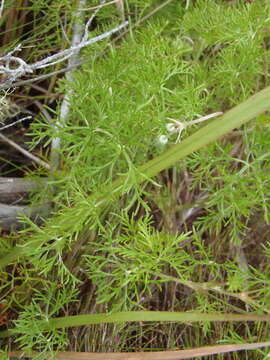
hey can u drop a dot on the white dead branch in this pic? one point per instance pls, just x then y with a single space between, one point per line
80 36
2 7
15 122
13 67
25 152
86 60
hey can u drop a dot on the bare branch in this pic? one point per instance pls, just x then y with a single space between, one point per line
85 60
44 111
99 6
2 7
10 215
23 68
14 189
77 38
179 126
15 122
25 152
89 22
121 9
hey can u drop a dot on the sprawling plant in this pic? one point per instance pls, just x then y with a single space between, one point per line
130 235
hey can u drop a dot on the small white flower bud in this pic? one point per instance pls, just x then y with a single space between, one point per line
170 128
163 139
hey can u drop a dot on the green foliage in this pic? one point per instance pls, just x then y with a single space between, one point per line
237 182
229 42
44 306
184 65
126 267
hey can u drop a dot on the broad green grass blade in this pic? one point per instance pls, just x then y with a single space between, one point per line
130 316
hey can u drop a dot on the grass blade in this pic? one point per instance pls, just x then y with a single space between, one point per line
130 316
154 355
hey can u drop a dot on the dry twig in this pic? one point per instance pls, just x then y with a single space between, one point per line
25 152
13 189
15 122
10 215
156 355
80 36
23 68
77 38
85 60
2 7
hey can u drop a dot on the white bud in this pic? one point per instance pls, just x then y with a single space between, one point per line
171 128
163 139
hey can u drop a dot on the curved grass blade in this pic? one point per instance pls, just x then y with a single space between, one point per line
153 355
